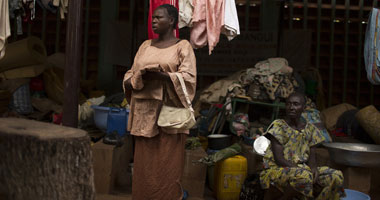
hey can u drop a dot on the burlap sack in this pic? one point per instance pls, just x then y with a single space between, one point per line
54 85
330 115
369 119
53 81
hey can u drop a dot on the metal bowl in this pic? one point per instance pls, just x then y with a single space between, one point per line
354 154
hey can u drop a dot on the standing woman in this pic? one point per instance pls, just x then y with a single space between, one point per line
152 81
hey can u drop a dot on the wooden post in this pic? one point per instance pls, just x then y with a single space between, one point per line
109 12
44 161
73 63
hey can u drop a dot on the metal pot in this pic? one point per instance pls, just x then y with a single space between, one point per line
218 141
354 154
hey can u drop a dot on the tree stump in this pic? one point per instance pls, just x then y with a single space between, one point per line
44 161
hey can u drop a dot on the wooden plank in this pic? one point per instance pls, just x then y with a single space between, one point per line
73 63
43 31
247 4
328 6
346 30
291 14
85 44
358 76
318 34
109 12
297 52
331 70
58 31
305 14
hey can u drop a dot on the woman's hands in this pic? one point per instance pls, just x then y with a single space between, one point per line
155 75
127 84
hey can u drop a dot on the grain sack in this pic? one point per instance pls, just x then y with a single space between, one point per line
369 119
331 115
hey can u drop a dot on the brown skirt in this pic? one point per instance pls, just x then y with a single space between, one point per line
158 166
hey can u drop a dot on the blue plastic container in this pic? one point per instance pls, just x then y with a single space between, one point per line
117 121
101 118
355 195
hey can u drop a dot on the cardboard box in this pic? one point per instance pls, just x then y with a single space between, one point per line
194 173
110 165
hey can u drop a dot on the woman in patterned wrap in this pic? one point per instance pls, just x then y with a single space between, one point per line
289 163
152 80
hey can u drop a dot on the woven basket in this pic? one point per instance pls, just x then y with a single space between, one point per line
331 115
369 119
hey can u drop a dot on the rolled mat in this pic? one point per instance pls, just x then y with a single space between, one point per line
29 51
369 119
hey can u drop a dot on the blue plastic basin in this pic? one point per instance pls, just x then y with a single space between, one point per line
355 195
101 116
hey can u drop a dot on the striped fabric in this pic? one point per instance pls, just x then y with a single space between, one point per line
21 102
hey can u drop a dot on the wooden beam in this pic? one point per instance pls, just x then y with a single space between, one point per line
305 14
247 15
346 30
85 44
73 63
57 31
43 31
358 75
109 12
331 70
329 6
318 34
290 5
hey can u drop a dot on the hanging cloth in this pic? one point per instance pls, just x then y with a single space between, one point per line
372 47
208 19
153 4
186 10
5 30
63 6
231 21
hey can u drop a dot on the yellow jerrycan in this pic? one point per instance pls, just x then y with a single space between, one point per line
229 177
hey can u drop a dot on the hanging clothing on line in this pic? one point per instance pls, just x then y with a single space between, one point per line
16 10
153 4
208 19
231 21
5 30
62 4
186 10
48 4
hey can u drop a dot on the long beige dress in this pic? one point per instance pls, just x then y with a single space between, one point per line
159 153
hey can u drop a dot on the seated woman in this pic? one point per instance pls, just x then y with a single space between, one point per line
289 163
